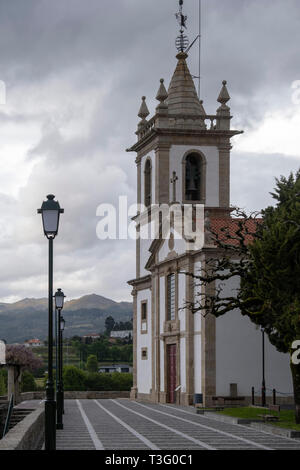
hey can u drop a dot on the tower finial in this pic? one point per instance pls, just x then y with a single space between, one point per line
143 111
162 93
224 95
182 41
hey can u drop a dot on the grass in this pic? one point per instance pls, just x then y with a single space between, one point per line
39 382
286 417
70 355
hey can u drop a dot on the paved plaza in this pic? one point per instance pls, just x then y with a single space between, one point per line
127 425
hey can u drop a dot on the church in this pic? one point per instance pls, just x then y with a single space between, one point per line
183 157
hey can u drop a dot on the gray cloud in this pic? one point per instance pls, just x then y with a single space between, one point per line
253 178
75 72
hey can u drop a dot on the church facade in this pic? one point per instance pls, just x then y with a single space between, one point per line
183 158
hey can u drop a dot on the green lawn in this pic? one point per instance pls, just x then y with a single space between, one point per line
286 417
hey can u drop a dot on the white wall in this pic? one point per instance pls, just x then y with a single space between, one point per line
197 338
144 366
212 171
161 326
144 255
239 355
179 248
182 319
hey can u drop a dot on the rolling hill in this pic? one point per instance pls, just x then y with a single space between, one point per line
28 318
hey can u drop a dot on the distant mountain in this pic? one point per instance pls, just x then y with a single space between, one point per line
28 318
90 301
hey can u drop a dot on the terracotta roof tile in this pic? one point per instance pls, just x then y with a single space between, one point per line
227 228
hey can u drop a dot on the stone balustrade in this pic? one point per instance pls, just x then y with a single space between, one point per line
207 123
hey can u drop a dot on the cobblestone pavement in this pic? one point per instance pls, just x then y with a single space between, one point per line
126 425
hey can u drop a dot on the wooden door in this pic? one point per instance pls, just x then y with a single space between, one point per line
171 372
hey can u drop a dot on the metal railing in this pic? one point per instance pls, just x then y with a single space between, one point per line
275 393
8 416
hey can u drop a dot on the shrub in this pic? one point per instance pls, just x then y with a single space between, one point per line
115 381
25 357
78 380
92 363
121 382
74 379
27 382
46 377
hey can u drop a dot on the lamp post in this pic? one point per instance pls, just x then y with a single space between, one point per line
59 304
62 327
50 212
263 386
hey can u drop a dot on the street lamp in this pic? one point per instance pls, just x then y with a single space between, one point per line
59 299
50 211
62 324
263 386
62 327
59 304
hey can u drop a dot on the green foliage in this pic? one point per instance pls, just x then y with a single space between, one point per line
115 381
37 373
121 381
270 289
74 378
268 268
269 272
121 326
104 351
109 324
100 348
27 382
98 381
92 363
46 377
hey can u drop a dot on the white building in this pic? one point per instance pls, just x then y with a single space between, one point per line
183 156
91 337
33 343
123 368
121 334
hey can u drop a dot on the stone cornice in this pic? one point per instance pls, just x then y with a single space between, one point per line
210 134
140 283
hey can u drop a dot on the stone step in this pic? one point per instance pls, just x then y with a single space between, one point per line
18 414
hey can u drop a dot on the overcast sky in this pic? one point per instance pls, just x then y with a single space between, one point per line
75 72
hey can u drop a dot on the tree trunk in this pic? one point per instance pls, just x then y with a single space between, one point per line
295 368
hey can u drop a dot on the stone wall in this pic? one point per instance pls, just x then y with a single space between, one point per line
28 434
96 395
76 394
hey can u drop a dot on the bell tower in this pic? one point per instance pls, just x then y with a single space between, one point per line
183 153
181 140
182 157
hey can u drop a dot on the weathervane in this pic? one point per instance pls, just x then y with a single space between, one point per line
182 41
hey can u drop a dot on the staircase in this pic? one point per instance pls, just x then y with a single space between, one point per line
17 415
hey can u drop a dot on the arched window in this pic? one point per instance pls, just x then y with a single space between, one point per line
193 177
148 178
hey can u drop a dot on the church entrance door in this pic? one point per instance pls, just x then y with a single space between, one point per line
171 372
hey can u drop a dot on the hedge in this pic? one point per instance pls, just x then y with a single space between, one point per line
77 380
